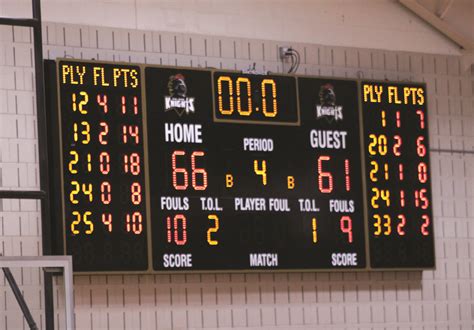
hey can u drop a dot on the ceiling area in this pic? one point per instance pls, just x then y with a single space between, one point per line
453 18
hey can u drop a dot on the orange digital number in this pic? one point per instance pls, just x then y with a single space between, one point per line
379 142
214 229
220 101
274 111
82 103
261 170
246 81
82 218
77 187
73 162
86 136
314 225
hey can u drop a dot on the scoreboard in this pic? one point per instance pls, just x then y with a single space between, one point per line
163 169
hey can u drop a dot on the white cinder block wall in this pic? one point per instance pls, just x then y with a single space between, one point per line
441 299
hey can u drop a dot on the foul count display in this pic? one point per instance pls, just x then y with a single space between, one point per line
397 171
172 169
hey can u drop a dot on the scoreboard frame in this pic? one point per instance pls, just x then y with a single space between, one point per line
56 162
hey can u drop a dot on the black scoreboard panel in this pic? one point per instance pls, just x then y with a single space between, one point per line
400 221
102 163
328 167
240 194
179 169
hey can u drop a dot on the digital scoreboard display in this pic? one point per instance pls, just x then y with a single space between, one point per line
102 156
398 186
168 169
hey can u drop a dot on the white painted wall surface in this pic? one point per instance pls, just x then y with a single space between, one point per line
381 24
440 299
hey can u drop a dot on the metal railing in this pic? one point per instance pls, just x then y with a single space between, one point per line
50 265
43 193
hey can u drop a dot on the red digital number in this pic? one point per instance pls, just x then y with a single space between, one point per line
103 133
102 101
134 223
107 221
124 105
347 172
132 163
402 198
422 172
420 147
425 224
136 193
400 172
346 227
105 193
422 118
182 172
200 171
397 145
132 131
399 123
324 175
135 105
177 220
179 170
104 159
420 199
402 223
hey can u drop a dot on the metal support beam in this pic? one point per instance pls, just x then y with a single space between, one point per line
49 263
443 27
446 8
19 298
22 194
44 193
30 22
43 160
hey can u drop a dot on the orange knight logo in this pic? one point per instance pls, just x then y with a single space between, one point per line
177 99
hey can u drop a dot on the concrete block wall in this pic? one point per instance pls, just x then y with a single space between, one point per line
439 299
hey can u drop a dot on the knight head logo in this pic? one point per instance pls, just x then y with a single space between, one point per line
177 86
327 97
327 107
177 99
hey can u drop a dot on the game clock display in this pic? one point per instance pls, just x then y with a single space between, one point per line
165 169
